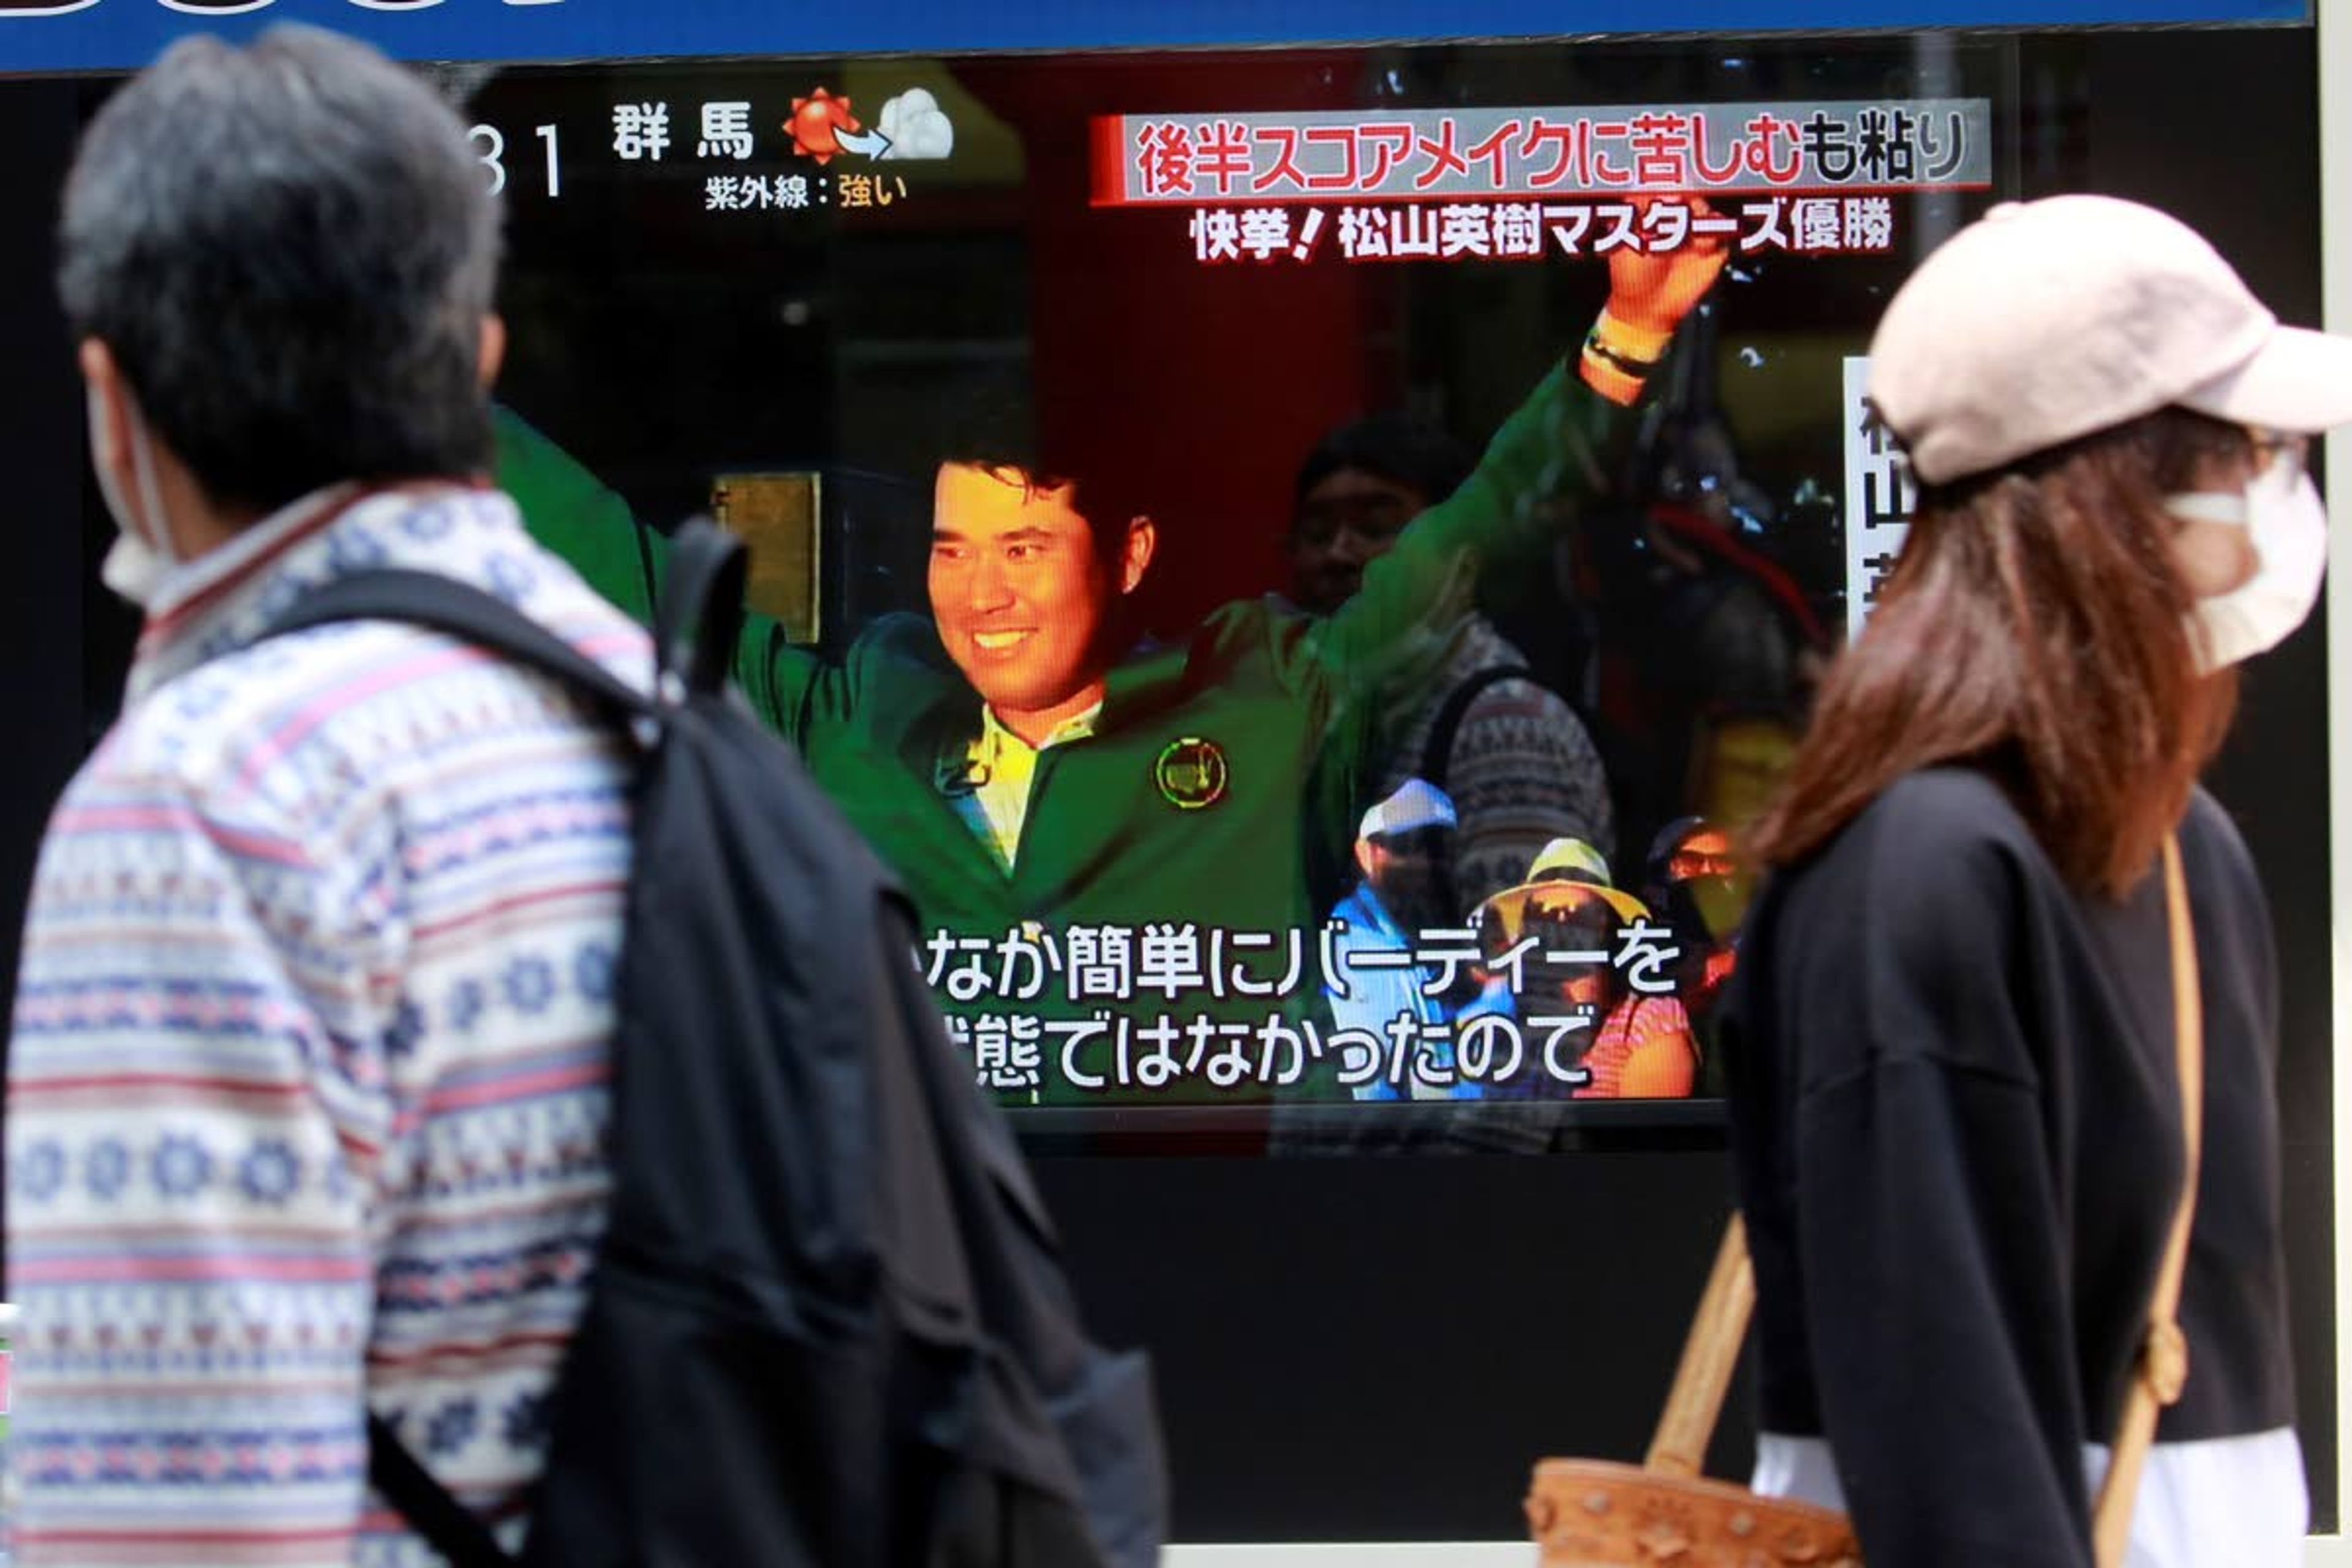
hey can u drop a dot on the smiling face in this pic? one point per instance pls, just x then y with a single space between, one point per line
1020 593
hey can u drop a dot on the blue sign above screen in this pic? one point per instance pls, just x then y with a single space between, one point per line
100 34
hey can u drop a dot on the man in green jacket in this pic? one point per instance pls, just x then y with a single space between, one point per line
1108 846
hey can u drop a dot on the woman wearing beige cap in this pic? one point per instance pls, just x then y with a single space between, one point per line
1958 1105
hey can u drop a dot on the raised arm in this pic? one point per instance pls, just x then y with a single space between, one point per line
1550 457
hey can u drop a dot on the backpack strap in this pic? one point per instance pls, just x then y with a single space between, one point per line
469 614
1439 748
700 617
426 1504
484 620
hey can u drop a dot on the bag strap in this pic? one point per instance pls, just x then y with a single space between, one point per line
698 618
426 1504
1709 1357
465 613
700 614
1712 1351
2163 1361
1437 752
697 621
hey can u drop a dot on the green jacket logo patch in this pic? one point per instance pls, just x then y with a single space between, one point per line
1191 773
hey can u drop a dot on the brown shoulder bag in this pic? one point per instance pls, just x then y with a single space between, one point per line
1595 1514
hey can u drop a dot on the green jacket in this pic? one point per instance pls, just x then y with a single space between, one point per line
1129 829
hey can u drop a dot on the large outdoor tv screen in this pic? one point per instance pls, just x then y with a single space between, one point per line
1184 546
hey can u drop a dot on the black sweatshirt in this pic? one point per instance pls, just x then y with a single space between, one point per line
1956 1123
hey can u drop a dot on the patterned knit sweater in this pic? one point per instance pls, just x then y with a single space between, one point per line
1523 770
308 1084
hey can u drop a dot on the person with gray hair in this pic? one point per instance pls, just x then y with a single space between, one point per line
307 1082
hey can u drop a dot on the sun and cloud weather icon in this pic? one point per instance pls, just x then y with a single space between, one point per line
917 127
911 126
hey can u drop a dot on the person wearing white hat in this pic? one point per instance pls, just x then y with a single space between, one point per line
1957 1120
1379 989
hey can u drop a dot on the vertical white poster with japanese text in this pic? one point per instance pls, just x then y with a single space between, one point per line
1879 498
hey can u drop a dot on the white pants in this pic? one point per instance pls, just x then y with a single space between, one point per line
2228 1502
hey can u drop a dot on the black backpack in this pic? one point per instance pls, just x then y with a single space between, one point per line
828 1324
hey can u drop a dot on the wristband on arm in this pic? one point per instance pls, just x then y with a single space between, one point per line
1618 357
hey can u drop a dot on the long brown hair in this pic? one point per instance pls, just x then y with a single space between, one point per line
2036 626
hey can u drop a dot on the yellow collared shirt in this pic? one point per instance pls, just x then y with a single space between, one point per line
1001 767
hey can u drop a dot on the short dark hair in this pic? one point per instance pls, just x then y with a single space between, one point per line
1403 448
993 425
288 249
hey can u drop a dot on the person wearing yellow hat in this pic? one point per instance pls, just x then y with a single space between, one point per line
1560 936
1570 860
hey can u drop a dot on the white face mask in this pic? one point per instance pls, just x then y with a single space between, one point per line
137 563
2287 525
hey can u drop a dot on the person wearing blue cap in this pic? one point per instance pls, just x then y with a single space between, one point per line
1392 981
